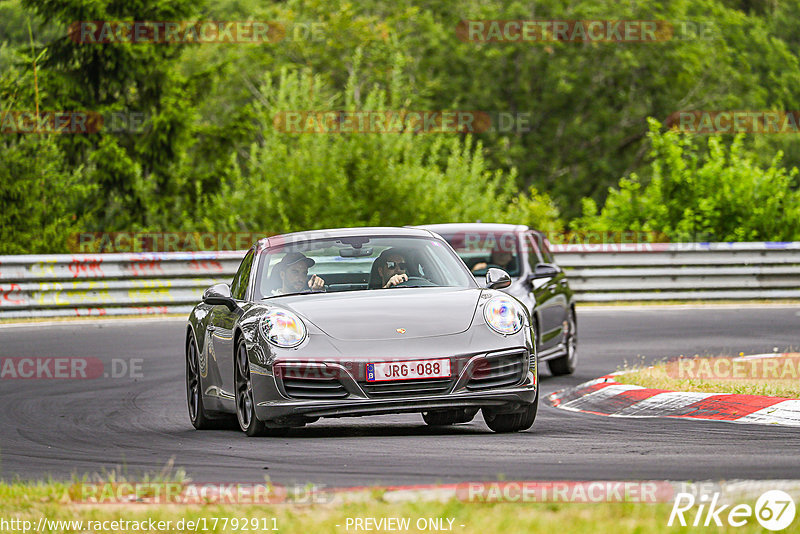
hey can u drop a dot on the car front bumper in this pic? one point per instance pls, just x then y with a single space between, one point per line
502 400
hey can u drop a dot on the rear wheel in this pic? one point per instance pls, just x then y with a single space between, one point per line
565 365
449 417
200 417
245 403
514 421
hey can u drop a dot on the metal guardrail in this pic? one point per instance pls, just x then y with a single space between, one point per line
172 282
110 284
682 271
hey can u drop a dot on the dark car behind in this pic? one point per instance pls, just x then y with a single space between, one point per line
537 281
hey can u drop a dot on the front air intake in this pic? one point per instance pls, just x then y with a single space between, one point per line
311 383
498 371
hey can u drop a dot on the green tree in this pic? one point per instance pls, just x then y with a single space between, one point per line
588 102
132 80
290 181
698 188
40 195
208 118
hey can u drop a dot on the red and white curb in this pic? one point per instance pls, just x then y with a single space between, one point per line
606 396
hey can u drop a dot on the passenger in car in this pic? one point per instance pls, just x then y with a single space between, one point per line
293 271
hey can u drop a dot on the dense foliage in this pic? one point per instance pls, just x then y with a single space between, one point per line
207 155
699 191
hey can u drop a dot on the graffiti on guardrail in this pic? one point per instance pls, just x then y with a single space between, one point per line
89 292
206 265
146 267
86 267
10 294
44 267
89 312
148 310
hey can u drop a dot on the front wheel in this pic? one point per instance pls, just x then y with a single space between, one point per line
245 403
512 422
565 365
200 417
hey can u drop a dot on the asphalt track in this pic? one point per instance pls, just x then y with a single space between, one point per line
63 428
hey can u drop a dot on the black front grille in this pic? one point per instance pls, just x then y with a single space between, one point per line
300 383
410 388
498 371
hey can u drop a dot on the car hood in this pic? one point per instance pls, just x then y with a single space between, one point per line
388 313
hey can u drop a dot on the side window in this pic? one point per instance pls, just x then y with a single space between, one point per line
533 252
544 248
239 284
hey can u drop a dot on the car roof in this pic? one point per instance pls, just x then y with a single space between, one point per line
449 228
371 231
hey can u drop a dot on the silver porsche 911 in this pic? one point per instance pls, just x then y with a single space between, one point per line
359 321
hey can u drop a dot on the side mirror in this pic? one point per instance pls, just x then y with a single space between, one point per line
220 295
497 279
544 270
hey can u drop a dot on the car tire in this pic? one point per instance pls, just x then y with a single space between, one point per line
448 417
201 418
565 365
512 422
245 402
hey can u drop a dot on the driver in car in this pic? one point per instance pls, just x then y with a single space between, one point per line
392 268
293 270
504 259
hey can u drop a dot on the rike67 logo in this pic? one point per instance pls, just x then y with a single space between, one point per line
774 510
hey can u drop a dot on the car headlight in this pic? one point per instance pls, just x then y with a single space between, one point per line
503 315
283 328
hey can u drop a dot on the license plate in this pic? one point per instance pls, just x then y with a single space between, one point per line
379 372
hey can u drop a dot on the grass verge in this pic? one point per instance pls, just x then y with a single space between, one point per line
31 502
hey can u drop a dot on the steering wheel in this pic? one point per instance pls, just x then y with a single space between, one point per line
414 281
488 266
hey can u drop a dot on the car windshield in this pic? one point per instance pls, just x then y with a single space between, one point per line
358 263
484 249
